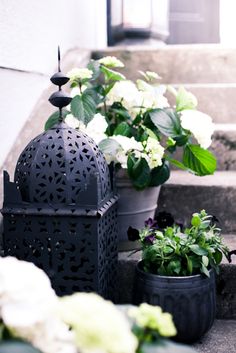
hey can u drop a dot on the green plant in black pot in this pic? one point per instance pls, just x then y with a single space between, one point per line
177 272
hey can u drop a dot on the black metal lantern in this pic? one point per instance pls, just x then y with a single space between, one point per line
60 211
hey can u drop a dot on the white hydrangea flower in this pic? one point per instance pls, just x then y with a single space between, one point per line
127 144
71 121
125 92
152 96
79 74
28 306
199 124
96 128
155 152
111 61
98 325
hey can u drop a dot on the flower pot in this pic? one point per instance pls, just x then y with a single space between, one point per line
191 300
134 207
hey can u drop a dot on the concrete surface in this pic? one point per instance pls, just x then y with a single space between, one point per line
204 63
185 193
220 339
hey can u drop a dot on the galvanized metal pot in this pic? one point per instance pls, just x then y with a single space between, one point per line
191 300
134 207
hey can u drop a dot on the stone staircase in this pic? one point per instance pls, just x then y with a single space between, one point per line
208 71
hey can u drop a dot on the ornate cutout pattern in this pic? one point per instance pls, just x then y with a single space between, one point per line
58 164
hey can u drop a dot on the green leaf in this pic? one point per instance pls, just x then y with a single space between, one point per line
111 75
176 163
185 100
196 220
189 264
196 249
218 257
109 146
83 107
205 260
205 270
139 171
167 122
15 346
174 267
94 66
160 175
199 160
123 129
54 119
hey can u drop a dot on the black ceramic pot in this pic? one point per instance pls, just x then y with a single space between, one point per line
191 300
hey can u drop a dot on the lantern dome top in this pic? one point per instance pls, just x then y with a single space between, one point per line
63 166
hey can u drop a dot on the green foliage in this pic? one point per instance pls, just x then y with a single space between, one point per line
111 75
199 160
83 107
160 175
185 100
54 119
176 252
167 122
139 171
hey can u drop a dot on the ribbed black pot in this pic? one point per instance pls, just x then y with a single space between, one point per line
191 300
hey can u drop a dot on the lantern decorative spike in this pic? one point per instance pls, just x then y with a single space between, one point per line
60 98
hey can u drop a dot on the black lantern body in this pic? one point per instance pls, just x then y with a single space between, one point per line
60 212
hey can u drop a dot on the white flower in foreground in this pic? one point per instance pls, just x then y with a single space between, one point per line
79 74
111 61
98 325
96 128
125 92
155 152
28 306
199 124
152 317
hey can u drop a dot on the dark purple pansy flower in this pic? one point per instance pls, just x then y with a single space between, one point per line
133 234
151 223
164 219
150 239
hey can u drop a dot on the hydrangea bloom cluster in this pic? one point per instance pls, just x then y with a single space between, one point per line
134 124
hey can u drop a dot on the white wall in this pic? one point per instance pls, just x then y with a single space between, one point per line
30 31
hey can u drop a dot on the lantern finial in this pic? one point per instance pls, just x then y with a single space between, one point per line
60 98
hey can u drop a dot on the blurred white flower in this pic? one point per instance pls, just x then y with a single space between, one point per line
111 61
199 124
152 317
28 307
79 74
98 325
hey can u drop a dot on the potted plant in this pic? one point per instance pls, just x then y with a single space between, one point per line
138 131
177 272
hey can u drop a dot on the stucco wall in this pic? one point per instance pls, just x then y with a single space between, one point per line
30 31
